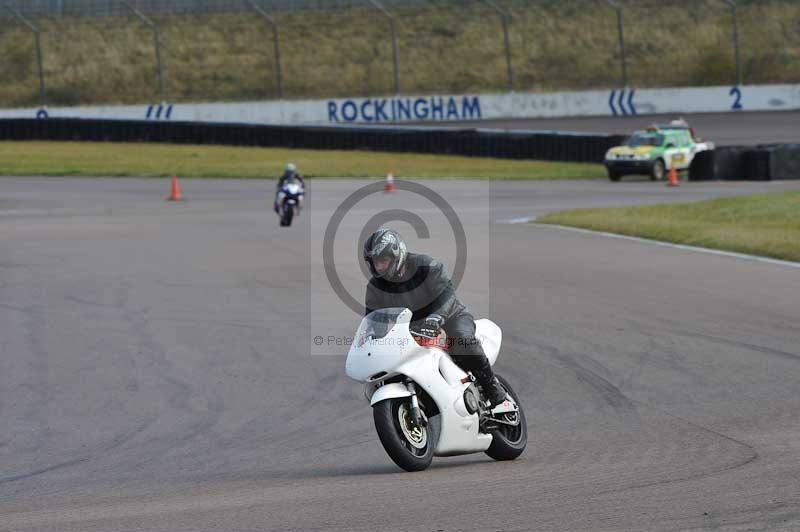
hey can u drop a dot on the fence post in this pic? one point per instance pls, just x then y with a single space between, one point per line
735 17
276 43
504 17
35 31
157 42
620 33
391 18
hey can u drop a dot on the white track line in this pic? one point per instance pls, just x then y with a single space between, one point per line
520 220
528 219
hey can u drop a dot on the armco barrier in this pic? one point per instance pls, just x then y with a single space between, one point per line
516 144
433 108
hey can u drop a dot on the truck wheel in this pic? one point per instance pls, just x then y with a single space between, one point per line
659 170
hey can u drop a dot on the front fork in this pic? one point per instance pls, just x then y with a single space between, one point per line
417 418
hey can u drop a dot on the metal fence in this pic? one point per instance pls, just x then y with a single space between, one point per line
100 8
126 51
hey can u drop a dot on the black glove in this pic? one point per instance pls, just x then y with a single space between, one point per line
429 327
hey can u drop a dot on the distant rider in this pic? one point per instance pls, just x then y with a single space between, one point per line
289 173
418 282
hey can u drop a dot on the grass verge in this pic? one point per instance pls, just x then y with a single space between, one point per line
762 224
141 159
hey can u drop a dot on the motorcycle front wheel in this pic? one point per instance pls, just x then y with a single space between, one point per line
410 447
288 214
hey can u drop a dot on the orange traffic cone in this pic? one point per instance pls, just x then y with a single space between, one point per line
672 181
175 192
389 186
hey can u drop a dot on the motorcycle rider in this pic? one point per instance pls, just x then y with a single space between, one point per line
418 282
289 172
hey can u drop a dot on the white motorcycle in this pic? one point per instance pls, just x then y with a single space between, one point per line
423 403
289 200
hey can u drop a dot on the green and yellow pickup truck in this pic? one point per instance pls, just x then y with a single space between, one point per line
653 151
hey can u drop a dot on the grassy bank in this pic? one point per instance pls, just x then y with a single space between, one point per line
123 159
570 44
763 224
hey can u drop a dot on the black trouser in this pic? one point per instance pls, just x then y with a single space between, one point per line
465 349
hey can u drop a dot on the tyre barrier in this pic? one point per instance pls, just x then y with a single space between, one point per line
514 144
702 166
728 163
777 161
750 163
784 161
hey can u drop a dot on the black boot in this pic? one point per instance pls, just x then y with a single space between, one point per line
493 391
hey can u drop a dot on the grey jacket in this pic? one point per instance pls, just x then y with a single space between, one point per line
425 289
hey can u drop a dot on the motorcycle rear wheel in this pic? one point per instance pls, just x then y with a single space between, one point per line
409 447
508 441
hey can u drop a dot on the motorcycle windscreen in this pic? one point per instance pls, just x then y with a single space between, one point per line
376 348
378 323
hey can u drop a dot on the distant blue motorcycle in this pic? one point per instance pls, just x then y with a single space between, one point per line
290 201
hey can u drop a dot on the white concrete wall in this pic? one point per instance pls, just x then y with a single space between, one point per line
451 107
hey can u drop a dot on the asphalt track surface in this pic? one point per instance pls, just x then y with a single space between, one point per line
155 371
744 128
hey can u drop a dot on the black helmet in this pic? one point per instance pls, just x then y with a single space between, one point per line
385 243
